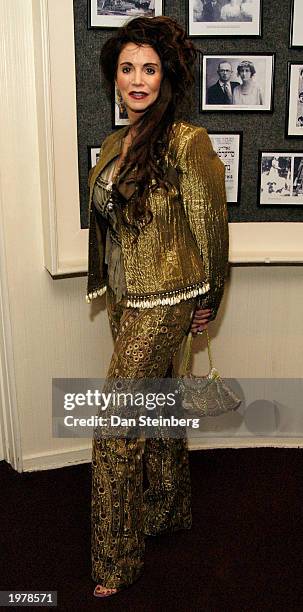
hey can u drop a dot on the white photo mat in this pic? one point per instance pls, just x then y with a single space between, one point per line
228 148
295 106
94 153
296 32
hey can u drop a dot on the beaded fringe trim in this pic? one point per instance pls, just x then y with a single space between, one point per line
94 294
167 298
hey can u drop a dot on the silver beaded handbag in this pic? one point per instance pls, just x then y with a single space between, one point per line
203 395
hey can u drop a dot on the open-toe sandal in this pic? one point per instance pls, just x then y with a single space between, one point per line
105 592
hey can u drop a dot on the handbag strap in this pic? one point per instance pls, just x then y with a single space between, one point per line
184 366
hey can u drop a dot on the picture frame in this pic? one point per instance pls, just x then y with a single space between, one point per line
218 18
280 178
294 101
252 94
102 13
119 112
296 20
93 153
228 146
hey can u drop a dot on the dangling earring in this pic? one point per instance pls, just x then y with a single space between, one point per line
120 103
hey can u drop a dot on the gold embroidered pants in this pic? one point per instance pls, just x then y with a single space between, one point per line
145 342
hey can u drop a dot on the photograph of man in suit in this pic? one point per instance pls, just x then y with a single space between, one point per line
222 91
211 10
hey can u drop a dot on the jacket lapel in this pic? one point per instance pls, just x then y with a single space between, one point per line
126 183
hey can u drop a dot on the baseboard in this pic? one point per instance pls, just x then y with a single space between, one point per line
56 459
203 444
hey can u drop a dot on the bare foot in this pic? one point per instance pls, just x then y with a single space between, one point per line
102 591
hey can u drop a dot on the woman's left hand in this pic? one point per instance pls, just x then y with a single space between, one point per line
200 319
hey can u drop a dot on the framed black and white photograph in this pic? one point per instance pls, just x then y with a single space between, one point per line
294 111
237 82
93 155
224 17
281 177
120 116
113 13
228 146
296 28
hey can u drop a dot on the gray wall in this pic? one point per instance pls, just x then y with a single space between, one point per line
260 130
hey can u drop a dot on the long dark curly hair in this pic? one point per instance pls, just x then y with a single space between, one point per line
178 55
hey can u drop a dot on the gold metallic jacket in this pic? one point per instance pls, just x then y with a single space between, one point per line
183 251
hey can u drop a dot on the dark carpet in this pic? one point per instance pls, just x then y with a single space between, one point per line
244 552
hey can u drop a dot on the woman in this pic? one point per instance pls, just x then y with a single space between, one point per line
248 93
158 243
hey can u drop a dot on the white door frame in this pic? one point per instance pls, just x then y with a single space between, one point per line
10 434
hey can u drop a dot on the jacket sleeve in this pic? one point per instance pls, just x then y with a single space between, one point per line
202 186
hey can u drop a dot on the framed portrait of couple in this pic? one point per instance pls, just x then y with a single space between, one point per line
224 18
237 82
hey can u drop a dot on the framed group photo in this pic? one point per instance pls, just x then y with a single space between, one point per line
228 146
113 13
281 177
224 17
294 110
237 82
296 29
